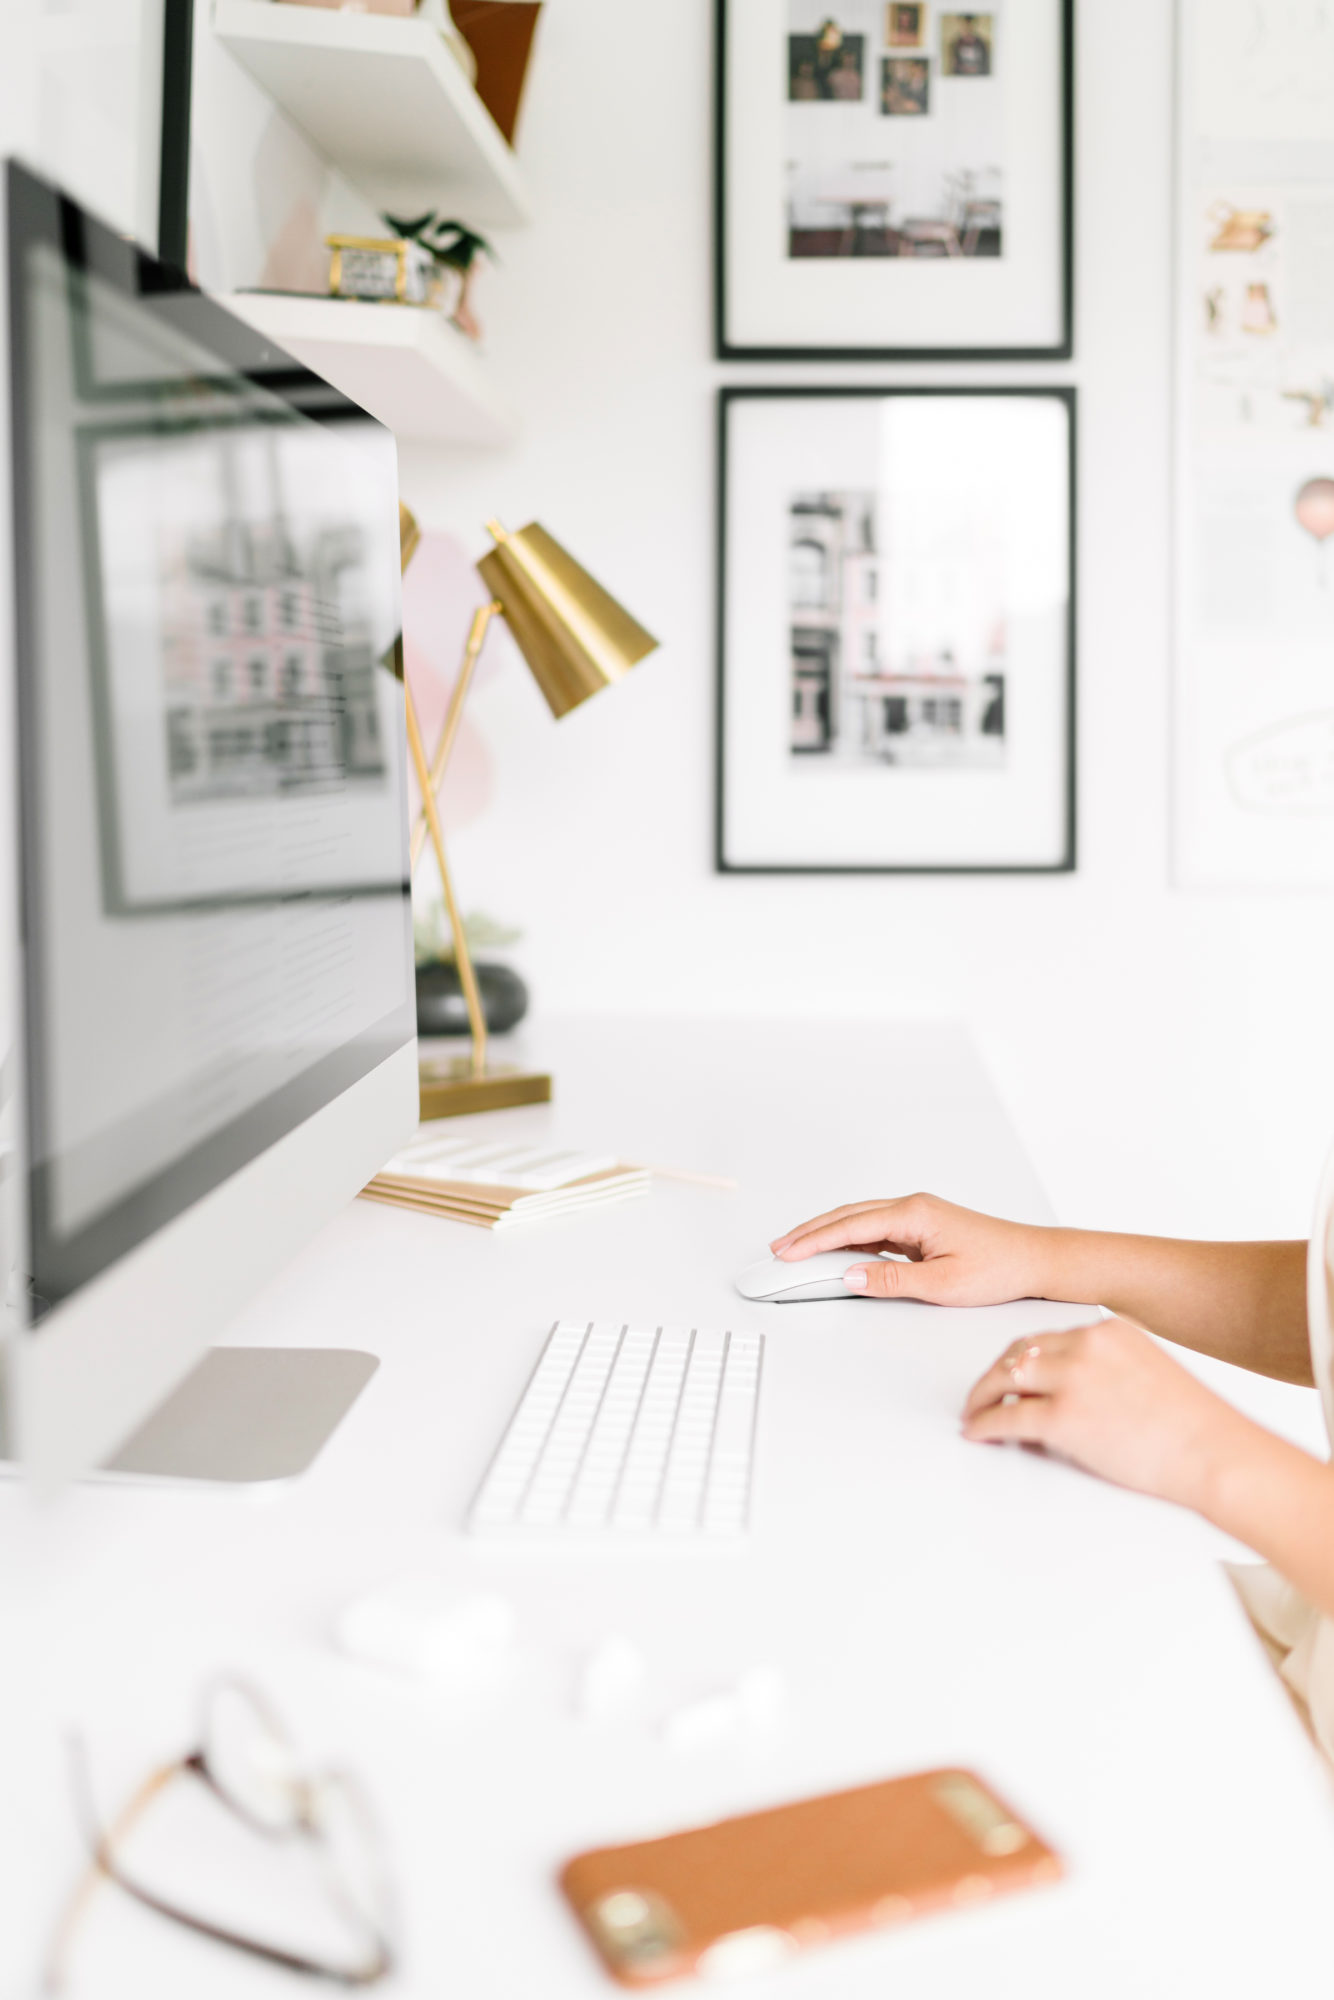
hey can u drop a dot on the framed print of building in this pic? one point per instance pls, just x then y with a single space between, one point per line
896 654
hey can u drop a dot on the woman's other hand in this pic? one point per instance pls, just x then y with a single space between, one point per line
958 1257
1106 1397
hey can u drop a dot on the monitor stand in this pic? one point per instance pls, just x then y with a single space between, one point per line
247 1414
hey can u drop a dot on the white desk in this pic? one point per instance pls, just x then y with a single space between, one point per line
928 1601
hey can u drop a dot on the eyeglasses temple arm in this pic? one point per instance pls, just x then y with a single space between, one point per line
101 1867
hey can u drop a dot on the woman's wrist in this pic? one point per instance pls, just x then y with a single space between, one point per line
1222 1467
1091 1267
1248 1482
1064 1264
1279 1501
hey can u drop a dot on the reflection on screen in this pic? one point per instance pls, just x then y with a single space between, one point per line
236 641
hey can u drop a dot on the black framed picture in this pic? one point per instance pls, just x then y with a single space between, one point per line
893 181
896 619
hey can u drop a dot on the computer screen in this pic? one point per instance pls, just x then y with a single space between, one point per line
214 880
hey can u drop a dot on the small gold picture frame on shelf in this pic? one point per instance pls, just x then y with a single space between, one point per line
389 269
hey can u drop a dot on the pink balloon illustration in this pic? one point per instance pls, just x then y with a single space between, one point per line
1314 508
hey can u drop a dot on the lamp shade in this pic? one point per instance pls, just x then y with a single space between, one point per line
575 636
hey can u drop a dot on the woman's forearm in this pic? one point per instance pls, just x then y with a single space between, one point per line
1279 1501
1244 1302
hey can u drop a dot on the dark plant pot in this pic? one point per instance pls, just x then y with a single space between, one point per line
441 1009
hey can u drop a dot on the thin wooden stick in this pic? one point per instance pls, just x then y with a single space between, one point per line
697 1180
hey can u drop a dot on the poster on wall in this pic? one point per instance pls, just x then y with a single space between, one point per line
893 179
1253 752
896 674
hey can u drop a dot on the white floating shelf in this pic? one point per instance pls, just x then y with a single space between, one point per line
384 100
405 364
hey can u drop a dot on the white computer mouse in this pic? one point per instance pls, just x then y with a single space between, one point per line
820 1277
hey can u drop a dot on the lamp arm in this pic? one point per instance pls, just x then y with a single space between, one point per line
467 978
453 716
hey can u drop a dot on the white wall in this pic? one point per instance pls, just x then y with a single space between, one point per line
1169 1058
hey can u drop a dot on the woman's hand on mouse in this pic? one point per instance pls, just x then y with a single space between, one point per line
1107 1397
958 1257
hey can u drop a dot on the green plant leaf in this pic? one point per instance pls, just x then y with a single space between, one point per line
450 243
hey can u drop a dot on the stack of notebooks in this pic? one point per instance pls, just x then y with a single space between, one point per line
499 1186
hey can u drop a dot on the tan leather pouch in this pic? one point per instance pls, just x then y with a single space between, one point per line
747 1892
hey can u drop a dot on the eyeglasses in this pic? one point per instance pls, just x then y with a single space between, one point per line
247 1760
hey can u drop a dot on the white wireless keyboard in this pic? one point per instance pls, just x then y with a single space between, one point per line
629 1431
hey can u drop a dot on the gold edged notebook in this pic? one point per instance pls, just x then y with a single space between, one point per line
495 1184
497 1207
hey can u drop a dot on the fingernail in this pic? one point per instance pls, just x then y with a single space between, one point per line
855 1279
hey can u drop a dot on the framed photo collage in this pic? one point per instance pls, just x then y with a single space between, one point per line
896 588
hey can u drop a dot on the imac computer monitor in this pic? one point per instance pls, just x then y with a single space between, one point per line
207 1032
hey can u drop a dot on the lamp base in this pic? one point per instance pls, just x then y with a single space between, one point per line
449 1088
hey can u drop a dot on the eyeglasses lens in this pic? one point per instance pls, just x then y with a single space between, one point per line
354 1851
250 1757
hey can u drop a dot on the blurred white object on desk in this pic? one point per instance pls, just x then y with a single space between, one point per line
415 1626
612 1681
751 1708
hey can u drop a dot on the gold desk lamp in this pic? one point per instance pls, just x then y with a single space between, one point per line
576 639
